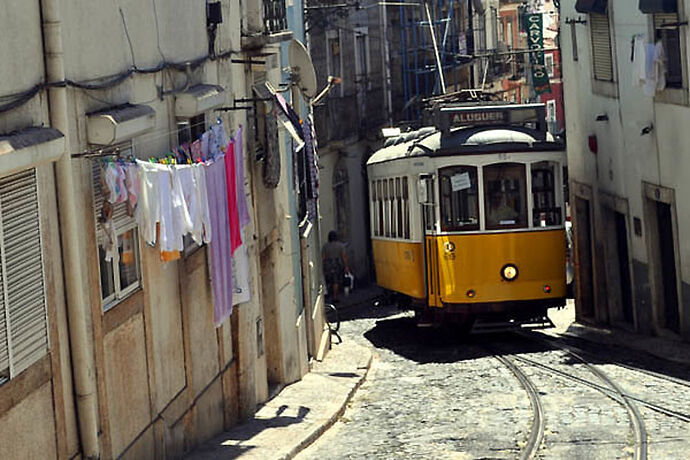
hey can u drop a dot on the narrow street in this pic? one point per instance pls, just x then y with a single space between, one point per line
439 397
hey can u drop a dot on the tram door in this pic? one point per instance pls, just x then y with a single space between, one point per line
427 201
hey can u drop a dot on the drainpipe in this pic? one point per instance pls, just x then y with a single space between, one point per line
83 367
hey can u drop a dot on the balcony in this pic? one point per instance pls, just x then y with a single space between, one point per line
266 23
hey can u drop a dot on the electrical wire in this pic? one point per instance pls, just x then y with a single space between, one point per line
129 39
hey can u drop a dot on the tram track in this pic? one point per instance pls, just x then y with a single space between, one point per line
609 389
537 430
614 391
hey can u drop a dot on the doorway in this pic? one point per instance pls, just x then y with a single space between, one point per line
668 288
584 267
623 260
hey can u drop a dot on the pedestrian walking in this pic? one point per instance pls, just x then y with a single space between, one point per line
335 264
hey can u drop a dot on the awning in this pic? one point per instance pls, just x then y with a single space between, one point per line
118 124
286 114
29 147
658 6
591 6
198 99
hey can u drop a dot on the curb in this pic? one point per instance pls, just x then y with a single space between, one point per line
316 434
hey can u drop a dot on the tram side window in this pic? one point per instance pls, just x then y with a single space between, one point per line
546 211
379 207
398 196
406 208
373 203
386 209
505 196
459 199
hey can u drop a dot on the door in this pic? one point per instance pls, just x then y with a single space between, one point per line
426 197
583 261
623 260
668 281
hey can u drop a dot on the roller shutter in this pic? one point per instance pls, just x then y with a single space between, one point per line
23 289
602 59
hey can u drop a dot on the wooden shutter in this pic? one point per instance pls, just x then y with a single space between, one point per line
22 270
602 59
4 350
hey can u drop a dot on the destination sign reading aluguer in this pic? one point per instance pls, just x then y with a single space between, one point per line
476 118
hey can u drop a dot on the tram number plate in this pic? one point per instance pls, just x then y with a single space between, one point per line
460 182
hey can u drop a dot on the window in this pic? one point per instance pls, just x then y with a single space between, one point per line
379 194
190 129
23 320
573 39
386 210
362 58
549 64
373 209
392 217
670 38
121 275
406 209
602 59
546 210
399 202
334 60
504 196
551 118
459 199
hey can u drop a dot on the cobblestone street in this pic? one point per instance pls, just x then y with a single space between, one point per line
438 397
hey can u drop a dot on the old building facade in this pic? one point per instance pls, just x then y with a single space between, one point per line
627 160
102 360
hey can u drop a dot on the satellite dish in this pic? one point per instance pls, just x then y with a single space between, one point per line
302 68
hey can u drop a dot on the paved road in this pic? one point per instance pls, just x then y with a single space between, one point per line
449 398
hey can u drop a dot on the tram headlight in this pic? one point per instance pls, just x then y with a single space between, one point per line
509 272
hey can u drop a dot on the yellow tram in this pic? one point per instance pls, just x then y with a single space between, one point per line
467 216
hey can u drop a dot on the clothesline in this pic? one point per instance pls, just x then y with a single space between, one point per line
198 197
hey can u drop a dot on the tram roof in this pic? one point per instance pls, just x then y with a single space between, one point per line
431 141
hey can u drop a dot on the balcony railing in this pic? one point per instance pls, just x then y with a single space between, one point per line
275 17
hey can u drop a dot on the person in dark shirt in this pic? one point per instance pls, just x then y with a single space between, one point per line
334 264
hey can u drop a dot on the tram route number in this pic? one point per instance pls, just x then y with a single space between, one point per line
460 182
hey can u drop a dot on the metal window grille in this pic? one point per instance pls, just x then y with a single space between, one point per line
23 314
275 18
602 58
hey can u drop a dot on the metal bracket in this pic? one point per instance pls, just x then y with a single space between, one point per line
575 21
242 107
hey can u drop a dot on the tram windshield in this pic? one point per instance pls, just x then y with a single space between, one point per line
505 196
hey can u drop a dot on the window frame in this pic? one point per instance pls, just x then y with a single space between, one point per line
525 202
330 65
558 200
362 32
674 95
608 18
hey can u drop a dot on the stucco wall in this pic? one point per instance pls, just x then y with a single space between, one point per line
625 157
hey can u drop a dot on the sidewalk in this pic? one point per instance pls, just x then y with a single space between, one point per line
661 347
299 414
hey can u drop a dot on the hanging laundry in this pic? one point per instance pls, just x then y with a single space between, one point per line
242 207
655 69
231 183
240 276
312 168
205 145
157 207
133 183
193 184
639 60
220 259
115 181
